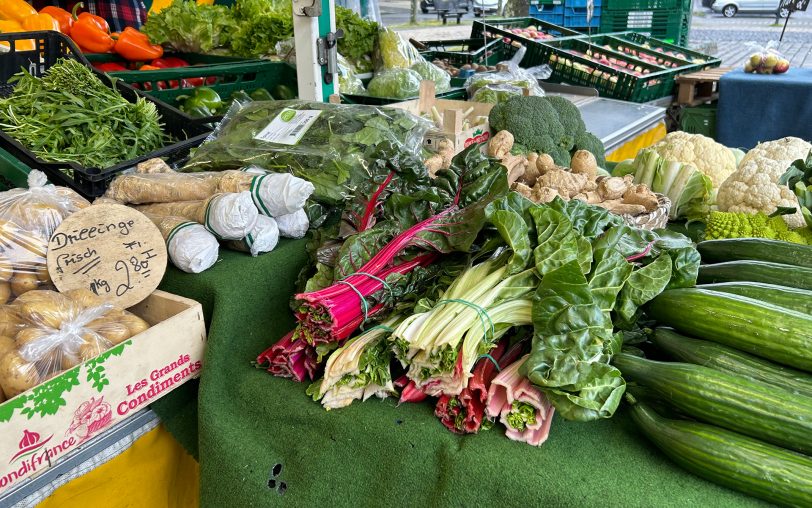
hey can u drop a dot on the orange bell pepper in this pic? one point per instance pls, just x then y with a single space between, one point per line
99 21
134 45
15 10
39 22
63 17
8 26
90 38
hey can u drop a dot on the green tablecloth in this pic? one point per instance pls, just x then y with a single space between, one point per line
373 453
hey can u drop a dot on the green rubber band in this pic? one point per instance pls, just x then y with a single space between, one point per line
380 327
483 314
255 184
383 282
493 361
206 219
364 304
175 230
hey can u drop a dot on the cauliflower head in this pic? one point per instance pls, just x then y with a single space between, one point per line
754 188
715 160
786 150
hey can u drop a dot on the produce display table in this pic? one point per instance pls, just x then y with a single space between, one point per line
374 453
761 107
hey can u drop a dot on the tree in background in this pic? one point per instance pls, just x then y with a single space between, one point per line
517 8
413 13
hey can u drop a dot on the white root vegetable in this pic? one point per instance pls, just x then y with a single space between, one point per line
229 216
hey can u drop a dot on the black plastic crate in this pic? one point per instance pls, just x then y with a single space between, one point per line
89 182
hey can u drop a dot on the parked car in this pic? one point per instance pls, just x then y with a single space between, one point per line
729 8
428 5
486 7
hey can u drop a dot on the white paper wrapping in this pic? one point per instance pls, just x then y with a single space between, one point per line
293 225
192 248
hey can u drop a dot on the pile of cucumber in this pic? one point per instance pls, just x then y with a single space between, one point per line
741 342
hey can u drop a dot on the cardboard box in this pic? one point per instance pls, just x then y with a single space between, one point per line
453 114
42 425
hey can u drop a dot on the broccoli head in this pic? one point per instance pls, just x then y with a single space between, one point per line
560 156
570 119
533 121
590 142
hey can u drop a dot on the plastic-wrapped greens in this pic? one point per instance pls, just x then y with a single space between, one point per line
429 71
53 332
191 247
393 51
263 238
293 225
229 216
395 83
496 93
28 218
348 81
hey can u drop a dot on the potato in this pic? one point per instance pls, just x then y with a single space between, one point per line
23 282
30 335
84 297
6 269
5 292
43 275
17 375
69 361
7 344
53 375
48 314
115 333
134 323
9 321
91 348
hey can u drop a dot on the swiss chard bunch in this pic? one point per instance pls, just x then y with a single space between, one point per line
595 274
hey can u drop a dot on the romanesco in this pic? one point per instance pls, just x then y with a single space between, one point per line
719 225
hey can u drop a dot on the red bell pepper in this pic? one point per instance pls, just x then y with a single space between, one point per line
110 67
169 62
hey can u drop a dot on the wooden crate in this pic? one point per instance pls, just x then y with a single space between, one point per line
453 114
700 87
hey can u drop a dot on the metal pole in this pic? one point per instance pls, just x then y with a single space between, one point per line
785 27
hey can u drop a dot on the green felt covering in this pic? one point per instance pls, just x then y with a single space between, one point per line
373 453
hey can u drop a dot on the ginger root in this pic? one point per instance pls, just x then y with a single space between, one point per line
641 195
545 163
516 166
584 163
614 187
434 164
445 148
500 145
536 194
567 184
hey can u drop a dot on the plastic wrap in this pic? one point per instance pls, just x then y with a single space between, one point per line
28 218
765 59
334 143
395 83
293 225
348 81
496 93
263 238
512 75
191 247
229 216
429 71
394 52
274 194
53 332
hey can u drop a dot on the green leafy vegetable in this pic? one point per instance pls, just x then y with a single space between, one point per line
186 27
359 38
260 25
395 83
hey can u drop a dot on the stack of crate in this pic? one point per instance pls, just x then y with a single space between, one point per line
568 13
667 20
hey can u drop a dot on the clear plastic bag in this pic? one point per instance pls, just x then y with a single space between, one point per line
512 75
431 72
395 83
496 93
46 332
394 52
330 145
28 218
765 59
348 81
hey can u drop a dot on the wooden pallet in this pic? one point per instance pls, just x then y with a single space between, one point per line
699 87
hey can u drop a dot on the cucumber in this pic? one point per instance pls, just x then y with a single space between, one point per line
789 298
758 328
756 249
717 356
729 459
756 271
731 401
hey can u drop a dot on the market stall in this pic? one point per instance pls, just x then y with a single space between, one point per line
461 280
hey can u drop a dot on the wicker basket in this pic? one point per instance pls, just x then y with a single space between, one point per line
652 220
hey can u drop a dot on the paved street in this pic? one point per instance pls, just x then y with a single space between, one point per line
712 33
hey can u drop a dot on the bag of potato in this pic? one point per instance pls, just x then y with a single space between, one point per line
28 218
45 333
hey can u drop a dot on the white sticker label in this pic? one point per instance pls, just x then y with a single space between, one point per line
289 126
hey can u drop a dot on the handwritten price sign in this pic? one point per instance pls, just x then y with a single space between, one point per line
113 250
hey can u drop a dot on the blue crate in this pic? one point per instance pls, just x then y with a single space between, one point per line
581 4
576 18
549 13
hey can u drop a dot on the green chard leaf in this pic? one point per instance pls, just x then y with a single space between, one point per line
643 285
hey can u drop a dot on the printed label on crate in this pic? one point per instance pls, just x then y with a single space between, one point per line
113 250
477 136
44 424
289 126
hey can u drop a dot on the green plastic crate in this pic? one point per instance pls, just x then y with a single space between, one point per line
478 53
454 93
705 61
191 58
13 173
646 5
670 26
500 29
566 58
229 78
631 49
699 120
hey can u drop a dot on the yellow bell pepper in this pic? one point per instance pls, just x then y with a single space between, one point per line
159 5
39 22
7 26
15 10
